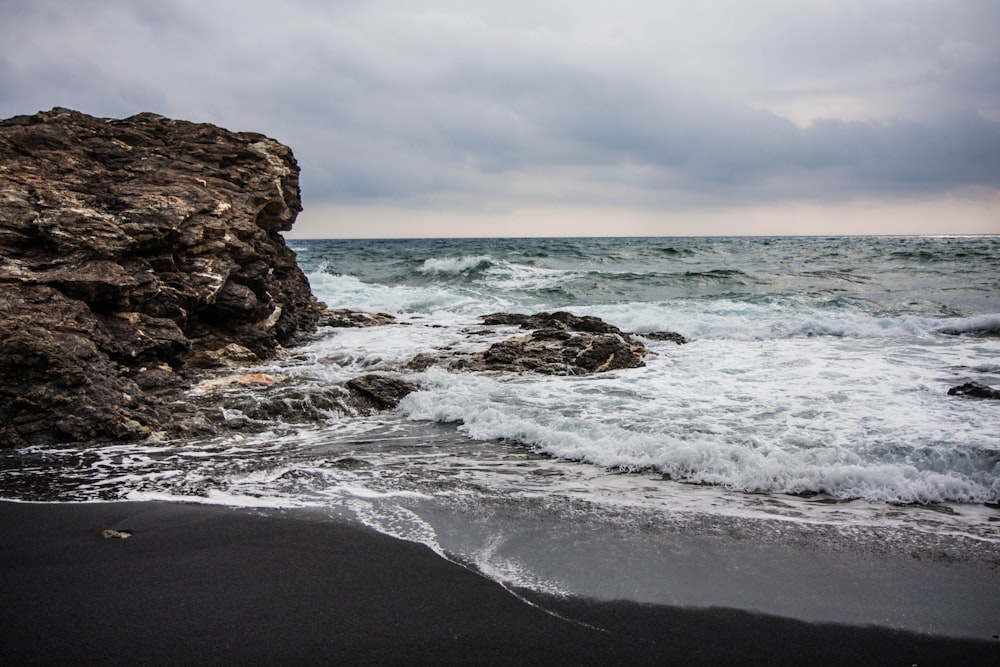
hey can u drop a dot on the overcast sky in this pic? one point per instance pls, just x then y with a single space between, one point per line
628 117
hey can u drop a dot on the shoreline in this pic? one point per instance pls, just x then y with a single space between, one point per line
201 584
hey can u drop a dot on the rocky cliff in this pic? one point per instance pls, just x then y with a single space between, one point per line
130 251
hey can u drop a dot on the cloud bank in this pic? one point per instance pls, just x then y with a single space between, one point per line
486 109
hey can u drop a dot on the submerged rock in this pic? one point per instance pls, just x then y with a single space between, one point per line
974 390
131 250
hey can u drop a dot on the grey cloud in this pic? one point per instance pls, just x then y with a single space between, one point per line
467 103
697 144
24 92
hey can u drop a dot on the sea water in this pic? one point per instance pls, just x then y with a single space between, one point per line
809 410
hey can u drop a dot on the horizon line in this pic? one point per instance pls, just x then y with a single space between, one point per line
630 236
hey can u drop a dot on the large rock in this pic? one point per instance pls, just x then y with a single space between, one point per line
58 380
343 318
256 401
130 250
559 343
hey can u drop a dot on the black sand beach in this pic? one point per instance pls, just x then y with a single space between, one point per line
210 585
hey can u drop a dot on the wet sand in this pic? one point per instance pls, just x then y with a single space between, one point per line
199 584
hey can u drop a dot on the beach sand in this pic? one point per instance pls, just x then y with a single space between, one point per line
203 584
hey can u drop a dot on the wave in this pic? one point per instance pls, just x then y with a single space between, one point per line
732 316
845 275
717 274
670 251
771 447
490 278
760 318
919 255
456 265
981 325
344 291
710 277
526 277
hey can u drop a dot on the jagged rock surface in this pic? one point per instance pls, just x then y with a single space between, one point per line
373 393
256 401
669 336
351 319
129 250
559 343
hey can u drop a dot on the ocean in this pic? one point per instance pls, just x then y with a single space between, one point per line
809 412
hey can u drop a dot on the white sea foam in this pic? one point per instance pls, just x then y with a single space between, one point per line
743 320
980 324
491 562
442 265
525 277
345 353
397 521
788 417
739 318
216 497
341 291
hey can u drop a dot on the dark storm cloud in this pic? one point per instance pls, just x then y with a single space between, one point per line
655 104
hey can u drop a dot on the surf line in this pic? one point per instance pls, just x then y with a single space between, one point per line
375 518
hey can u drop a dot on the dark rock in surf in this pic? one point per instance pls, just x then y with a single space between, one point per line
131 250
375 393
974 390
564 321
343 318
558 344
560 353
668 336
423 361
256 401
987 328
559 320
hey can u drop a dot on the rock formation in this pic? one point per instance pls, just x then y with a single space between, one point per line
350 319
255 401
558 343
131 250
136 253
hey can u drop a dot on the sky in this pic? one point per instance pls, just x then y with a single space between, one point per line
560 118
